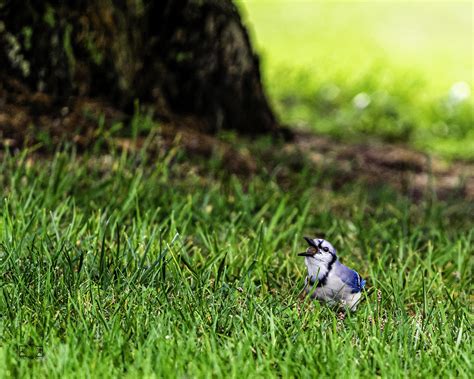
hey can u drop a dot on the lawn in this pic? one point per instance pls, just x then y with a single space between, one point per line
126 261
397 71
134 264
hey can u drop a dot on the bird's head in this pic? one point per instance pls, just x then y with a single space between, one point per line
319 251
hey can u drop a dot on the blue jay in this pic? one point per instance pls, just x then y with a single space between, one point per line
328 279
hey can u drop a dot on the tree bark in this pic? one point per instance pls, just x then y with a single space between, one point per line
188 58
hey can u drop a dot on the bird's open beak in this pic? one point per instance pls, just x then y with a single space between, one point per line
310 241
304 254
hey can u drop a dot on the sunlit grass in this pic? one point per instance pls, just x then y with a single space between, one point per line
410 58
433 37
127 264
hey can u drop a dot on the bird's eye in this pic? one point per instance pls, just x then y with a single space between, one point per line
326 249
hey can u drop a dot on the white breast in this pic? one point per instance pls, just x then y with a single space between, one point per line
336 291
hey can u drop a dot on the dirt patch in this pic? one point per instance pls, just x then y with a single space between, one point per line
29 119
412 173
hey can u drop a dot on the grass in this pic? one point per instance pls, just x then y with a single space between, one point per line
397 71
151 263
138 265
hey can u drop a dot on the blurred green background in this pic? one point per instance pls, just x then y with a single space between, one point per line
397 71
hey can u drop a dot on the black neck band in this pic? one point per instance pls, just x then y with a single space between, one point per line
323 280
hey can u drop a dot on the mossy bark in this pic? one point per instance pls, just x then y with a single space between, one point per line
182 57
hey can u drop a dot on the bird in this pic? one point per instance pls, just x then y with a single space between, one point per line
328 280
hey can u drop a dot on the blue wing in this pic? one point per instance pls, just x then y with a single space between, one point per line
351 278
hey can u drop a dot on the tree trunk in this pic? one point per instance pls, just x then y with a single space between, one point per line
189 58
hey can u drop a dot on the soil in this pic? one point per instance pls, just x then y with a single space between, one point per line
411 172
31 119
